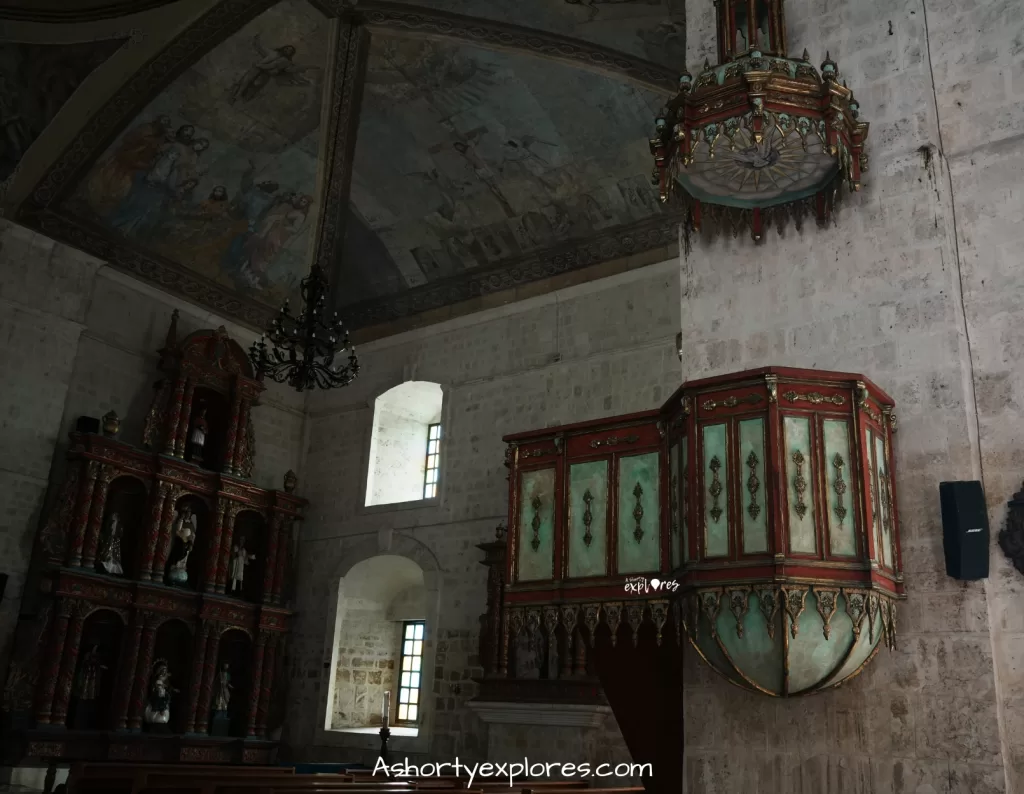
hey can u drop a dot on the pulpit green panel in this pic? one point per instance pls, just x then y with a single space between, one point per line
840 488
588 513
639 522
754 493
716 492
536 525
800 485
885 500
675 541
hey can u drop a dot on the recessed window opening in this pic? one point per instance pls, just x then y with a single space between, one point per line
405 445
410 674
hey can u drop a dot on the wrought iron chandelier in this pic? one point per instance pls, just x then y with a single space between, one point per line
304 349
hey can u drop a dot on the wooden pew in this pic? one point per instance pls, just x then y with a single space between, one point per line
115 778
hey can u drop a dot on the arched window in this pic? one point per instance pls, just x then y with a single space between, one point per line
406 446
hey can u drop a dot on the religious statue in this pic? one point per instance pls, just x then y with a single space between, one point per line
185 531
222 695
110 551
198 437
158 701
87 682
240 558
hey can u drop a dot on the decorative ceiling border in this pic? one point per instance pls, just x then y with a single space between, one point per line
418 21
613 244
79 15
42 211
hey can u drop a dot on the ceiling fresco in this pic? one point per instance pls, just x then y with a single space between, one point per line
219 172
24 69
468 159
73 10
441 157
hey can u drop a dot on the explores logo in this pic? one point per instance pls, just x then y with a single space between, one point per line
639 585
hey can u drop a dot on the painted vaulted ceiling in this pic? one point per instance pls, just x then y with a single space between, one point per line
430 158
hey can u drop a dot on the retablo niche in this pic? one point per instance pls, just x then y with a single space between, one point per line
761 137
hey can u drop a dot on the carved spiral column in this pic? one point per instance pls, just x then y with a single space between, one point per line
99 504
197 675
273 549
231 442
142 671
127 672
227 535
181 434
284 546
257 682
68 663
163 534
49 674
213 549
209 671
269 668
243 421
174 415
156 511
81 519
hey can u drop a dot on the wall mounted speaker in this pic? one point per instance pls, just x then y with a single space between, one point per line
964 529
87 424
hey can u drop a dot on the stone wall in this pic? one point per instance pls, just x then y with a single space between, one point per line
367 664
914 286
80 339
599 349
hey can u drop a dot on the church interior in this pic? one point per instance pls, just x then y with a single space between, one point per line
647 416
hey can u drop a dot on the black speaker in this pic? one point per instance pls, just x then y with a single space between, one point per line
964 529
87 424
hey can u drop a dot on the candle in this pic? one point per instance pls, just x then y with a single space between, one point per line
387 709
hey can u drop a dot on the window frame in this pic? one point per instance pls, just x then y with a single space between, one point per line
402 656
430 488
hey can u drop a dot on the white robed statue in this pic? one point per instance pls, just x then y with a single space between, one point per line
239 559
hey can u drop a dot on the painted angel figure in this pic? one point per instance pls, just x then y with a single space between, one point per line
274 63
240 558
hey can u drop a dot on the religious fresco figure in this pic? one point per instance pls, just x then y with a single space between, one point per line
111 181
275 64
278 225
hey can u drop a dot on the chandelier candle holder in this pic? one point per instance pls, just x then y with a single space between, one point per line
307 352
760 136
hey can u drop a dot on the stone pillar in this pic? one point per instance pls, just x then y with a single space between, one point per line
142 671
196 676
206 686
266 688
156 511
257 682
127 672
49 674
163 534
213 547
227 535
174 415
284 547
68 663
81 519
231 442
181 434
